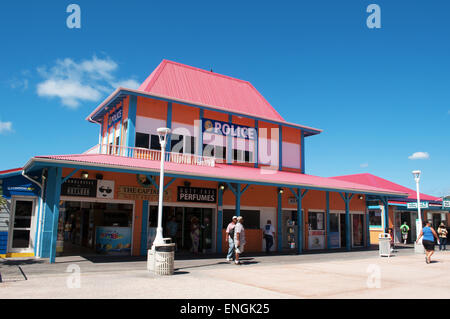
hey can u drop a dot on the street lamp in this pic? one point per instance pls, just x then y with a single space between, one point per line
418 246
163 134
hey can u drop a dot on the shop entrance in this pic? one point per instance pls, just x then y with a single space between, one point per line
93 227
21 227
191 228
358 230
406 217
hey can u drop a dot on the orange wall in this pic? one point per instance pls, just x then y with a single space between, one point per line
151 108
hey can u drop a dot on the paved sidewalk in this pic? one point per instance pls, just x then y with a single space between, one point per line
329 275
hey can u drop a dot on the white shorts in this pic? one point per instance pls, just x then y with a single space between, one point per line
240 249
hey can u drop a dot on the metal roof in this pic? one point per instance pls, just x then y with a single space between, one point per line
220 172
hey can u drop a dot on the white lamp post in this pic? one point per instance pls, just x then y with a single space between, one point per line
418 246
162 133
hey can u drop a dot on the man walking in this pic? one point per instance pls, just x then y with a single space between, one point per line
239 238
269 234
404 229
230 238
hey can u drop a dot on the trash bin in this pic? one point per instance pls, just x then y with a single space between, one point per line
384 242
164 256
160 259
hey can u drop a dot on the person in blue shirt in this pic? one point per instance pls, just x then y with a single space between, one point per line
429 234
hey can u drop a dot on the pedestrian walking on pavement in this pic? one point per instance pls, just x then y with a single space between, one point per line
239 238
230 238
429 234
442 232
269 234
404 229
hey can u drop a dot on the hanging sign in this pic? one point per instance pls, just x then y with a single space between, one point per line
196 194
446 204
226 129
414 205
115 117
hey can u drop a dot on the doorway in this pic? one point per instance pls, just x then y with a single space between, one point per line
343 230
191 228
21 226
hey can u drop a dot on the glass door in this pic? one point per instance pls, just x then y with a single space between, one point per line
23 210
334 231
358 230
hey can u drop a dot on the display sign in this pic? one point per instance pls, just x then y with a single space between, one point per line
226 129
196 194
79 187
113 240
446 204
414 205
141 193
316 240
105 189
115 117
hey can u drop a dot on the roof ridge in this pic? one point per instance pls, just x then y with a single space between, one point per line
205 71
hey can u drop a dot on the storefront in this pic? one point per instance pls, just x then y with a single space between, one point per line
220 161
18 210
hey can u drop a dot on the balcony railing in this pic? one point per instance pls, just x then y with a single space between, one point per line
152 155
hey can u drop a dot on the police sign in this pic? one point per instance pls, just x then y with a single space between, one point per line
226 129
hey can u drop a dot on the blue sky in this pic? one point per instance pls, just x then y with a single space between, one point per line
380 95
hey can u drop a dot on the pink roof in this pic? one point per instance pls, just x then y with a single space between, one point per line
375 181
220 171
188 83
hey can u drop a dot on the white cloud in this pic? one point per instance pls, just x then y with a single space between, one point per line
419 155
363 165
5 127
87 80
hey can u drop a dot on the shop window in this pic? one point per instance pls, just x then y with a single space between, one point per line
375 218
189 144
237 155
248 157
316 221
251 218
142 140
154 143
220 152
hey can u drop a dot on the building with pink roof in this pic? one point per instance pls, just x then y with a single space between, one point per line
400 211
229 153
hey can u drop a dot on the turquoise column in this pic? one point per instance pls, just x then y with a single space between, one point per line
131 129
327 196
230 143
144 228
367 229
238 199
219 221
300 221
280 222
347 222
55 176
